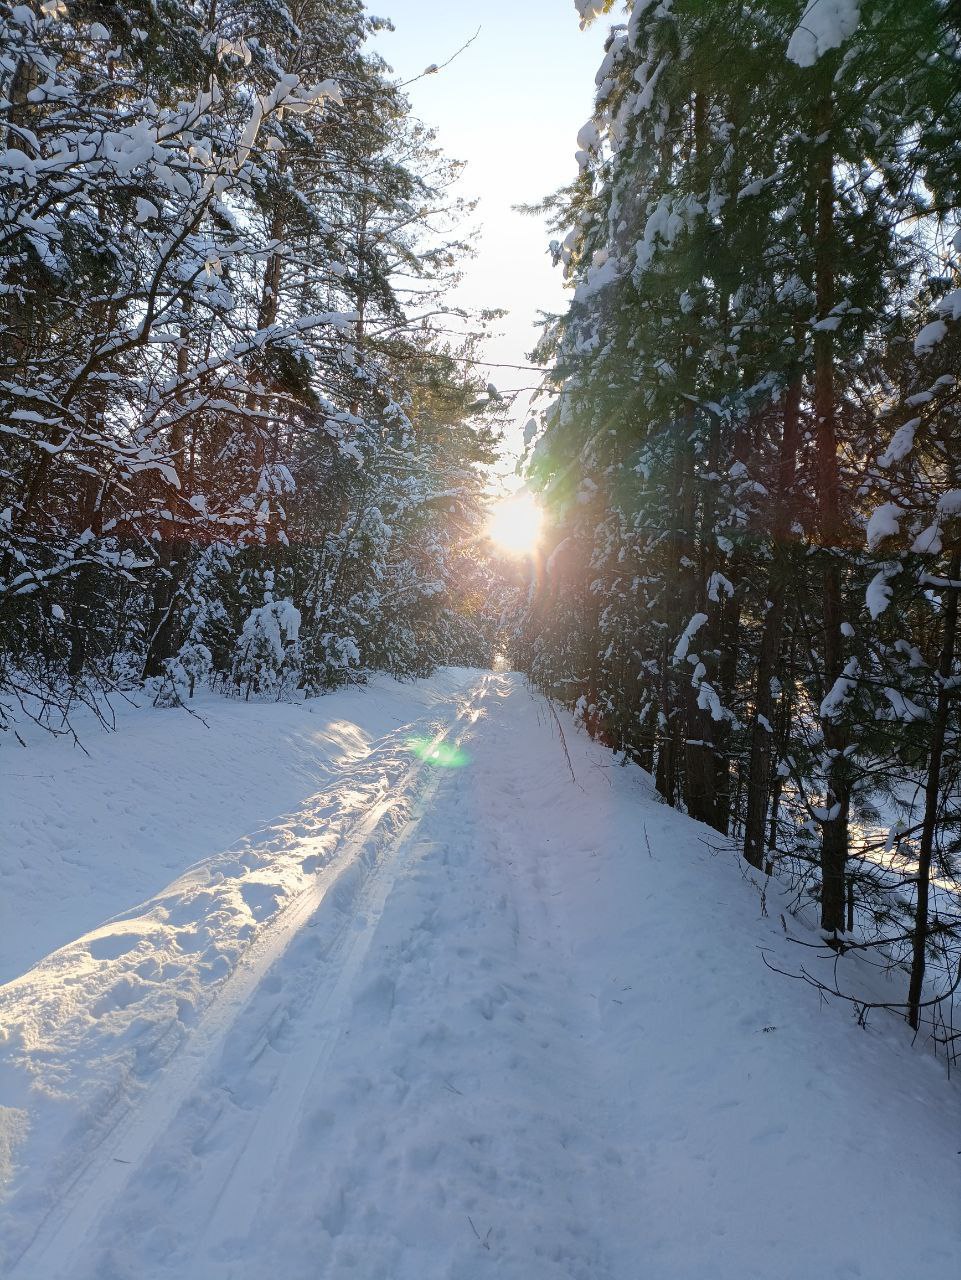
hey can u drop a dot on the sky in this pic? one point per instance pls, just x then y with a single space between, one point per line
510 105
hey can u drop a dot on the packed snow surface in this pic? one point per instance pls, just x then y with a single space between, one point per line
316 1006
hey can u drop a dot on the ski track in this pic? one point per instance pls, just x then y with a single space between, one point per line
342 888
269 1098
489 1044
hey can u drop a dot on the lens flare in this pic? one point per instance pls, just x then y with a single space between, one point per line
442 755
515 524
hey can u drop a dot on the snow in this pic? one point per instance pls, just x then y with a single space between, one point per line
950 304
879 593
664 224
588 137
824 25
928 541
884 523
901 444
903 708
648 83
604 270
145 209
929 337
690 631
716 584
588 10
837 697
708 700
482 1021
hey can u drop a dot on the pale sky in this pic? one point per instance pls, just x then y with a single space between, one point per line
510 106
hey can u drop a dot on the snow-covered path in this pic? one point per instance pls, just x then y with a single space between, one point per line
510 1024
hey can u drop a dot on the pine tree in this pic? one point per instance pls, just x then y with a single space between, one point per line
226 259
752 255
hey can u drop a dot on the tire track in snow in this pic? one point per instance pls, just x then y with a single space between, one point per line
58 1244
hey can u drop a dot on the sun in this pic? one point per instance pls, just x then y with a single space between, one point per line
515 524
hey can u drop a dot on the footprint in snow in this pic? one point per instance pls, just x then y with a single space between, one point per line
112 945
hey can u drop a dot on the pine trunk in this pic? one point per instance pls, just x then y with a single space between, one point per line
834 840
761 759
932 797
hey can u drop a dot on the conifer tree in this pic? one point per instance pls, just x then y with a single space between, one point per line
759 248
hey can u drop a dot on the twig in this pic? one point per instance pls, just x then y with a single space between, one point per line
603 775
485 1240
560 730
434 67
862 1006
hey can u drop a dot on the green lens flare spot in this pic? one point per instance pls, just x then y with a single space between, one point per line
442 755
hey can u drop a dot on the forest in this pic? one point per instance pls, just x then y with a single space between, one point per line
443 833
245 430
242 440
753 455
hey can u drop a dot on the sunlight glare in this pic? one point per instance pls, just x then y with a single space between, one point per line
515 524
443 755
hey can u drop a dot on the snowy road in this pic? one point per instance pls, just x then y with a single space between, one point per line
509 1024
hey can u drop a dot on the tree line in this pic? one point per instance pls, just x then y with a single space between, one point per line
240 441
752 457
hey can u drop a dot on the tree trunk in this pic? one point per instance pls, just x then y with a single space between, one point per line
676 610
932 797
759 767
834 838
162 626
700 746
